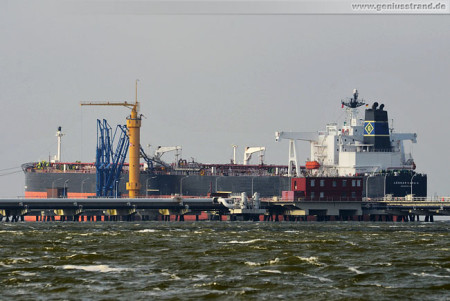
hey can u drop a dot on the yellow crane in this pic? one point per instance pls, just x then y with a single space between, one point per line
134 133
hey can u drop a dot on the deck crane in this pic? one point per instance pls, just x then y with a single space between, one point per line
134 127
249 150
292 136
161 150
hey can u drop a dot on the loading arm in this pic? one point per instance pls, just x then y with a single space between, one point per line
292 136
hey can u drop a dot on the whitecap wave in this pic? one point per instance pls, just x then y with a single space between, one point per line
147 231
246 241
252 264
102 268
355 270
86 234
171 276
276 260
311 260
15 260
271 271
430 275
387 264
11 232
25 274
270 262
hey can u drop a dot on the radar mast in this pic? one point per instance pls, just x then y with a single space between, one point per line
352 104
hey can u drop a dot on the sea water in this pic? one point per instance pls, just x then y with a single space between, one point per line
224 260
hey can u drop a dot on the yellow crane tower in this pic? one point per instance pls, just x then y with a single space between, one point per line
134 129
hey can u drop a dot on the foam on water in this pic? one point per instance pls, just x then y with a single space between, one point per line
387 264
355 270
147 231
271 271
102 268
200 277
11 232
430 275
15 261
224 260
246 241
276 260
25 274
311 260
170 275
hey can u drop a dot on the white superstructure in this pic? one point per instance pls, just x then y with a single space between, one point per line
342 150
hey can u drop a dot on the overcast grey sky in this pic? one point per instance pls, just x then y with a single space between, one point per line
209 81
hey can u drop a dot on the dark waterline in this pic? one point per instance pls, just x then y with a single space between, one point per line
243 260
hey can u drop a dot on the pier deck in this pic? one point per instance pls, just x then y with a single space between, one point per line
178 205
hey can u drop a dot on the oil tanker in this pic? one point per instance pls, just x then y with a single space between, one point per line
360 158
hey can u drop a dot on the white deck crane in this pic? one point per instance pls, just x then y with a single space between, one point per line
293 136
249 150
161 150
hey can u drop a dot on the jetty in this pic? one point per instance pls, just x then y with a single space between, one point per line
237 207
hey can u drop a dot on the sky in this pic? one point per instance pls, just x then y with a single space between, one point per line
207 82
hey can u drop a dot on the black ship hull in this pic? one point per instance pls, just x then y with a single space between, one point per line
82 184
38 184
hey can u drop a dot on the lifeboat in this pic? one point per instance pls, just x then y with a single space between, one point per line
312 165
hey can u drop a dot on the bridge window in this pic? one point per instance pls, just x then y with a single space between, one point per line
312 194
353 183
334 183
344 183
322 194
322 183
353 194
358 183
313 183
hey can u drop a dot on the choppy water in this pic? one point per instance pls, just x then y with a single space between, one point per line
226 260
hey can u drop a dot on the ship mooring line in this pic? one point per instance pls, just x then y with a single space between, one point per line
10 173
11 168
